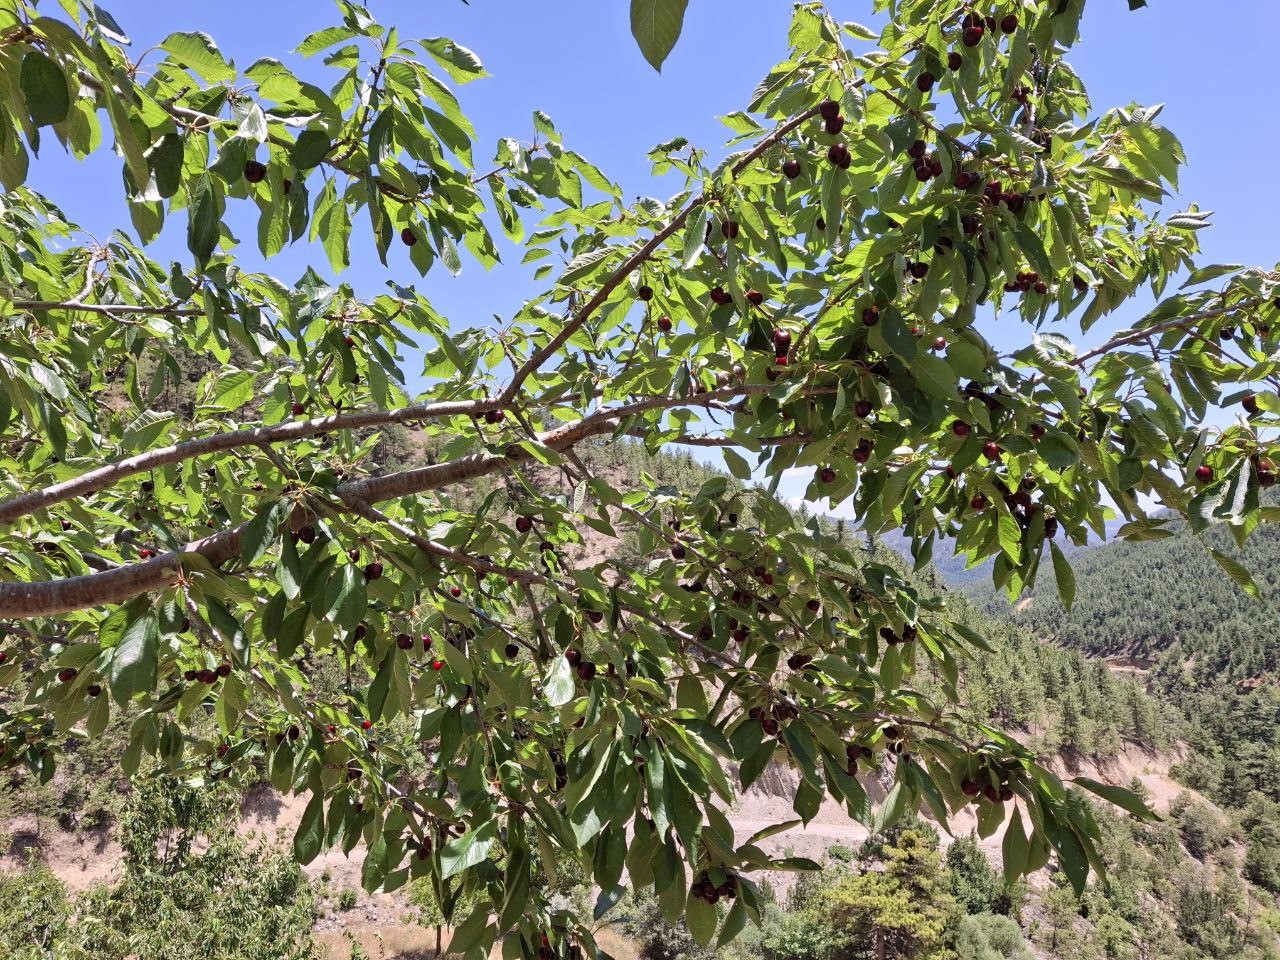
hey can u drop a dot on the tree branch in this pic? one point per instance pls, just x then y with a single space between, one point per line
95 480
539 357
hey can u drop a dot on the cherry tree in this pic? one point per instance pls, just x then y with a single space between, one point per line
197 522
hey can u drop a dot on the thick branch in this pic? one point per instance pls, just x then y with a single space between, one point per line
103 477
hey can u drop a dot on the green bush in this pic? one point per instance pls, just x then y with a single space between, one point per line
229 901
1262 864
976 886
987 936
33 912
655 937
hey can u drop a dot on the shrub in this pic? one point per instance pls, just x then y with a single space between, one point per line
33 911
987 936
232 899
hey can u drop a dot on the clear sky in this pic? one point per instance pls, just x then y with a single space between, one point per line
575 59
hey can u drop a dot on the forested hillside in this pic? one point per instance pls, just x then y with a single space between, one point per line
1206 647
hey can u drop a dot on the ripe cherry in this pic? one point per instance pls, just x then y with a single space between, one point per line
954 60
678 551
917 150
925 82
978 503
871 315
838 154
719 296
965 179
972 36
524 524
255 171
495 416
455 592
298 408
408 237
586 671
729 229
754 297
1204 473
372 571
828 109
1037 430
939 343
224 670
918 270
1250 403
970 224
1009 24
991 450
827 475
664 324
404 641
67 675
791 169
862 409
645 292
437 665
834 125
307 534
366 724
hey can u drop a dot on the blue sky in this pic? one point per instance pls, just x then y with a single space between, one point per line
575 60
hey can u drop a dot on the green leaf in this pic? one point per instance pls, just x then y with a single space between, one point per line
45 87
701 918
1014 848
202 220
736 464
199 53
1064 575
1122 798
311 147
133 661
261 532
557 685
656 25
310 836
1236 572
467 850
